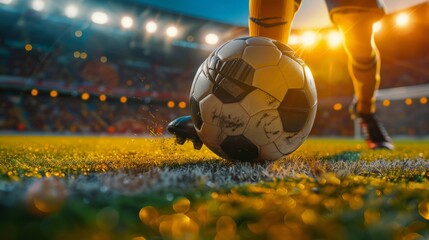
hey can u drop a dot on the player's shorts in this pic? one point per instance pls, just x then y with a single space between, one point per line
374 6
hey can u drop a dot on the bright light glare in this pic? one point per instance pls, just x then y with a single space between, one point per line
309 38
151 27
6 2
402 19
293 39
127 22
38 5
71 11
99 17
212 39
171 31
334 39
376 27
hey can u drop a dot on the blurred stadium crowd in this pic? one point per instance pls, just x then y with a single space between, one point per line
98 81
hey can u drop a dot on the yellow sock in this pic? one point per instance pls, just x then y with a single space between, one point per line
272 18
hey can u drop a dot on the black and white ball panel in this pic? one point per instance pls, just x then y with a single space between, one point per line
213 137
261 56
231 50
258 101
271 81
202 87
264 127
211 109
260 41
292 71
269 152
233 119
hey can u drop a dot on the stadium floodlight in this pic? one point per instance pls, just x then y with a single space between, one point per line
99 17
6 2
151 27
71 11
293 39
211 39
127 22
376 27
172 31
38 5
334 39
309 38
402 19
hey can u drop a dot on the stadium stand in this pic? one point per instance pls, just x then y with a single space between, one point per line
144 79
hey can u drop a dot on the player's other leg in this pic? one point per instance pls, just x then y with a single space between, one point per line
267 18
355 20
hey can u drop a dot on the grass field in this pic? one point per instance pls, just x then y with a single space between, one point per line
150 188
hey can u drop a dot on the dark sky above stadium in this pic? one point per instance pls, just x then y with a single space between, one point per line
313 13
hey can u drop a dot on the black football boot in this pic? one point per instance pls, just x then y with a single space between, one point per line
376 136
183 129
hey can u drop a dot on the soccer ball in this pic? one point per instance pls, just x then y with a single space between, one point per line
252 99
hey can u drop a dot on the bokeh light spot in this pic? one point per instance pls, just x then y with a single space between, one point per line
424 209
408 101
71 11
78 33
34 92
182 104
170 104
99 18
53 93
337 106
172 31
151 27
85 96
386 102
181 205
102 97
28 47
211 39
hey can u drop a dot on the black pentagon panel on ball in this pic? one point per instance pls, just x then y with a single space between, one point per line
237 69
196 113
294 110
232 78
240 148
230 91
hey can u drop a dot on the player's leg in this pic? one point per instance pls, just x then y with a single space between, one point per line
355 20
272 18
